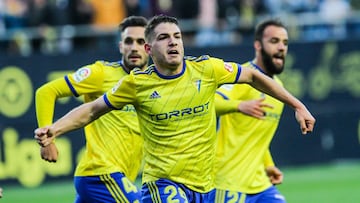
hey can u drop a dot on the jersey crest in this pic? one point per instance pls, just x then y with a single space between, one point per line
82 74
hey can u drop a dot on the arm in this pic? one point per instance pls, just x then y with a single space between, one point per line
45 98
223 106
265 84
254 108
274 173
75 119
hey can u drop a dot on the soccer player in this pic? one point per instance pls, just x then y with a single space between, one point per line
1 192
174 99
243 161
114 152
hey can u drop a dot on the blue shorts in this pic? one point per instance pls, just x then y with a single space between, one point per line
164 190
270 195
113 187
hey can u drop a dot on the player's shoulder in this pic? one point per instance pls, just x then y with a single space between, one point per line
197 58
146 71
247 64
102 63
203 59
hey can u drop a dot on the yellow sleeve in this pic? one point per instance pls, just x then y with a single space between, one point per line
45 98
224 106
268 160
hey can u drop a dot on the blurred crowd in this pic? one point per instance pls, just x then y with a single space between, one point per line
48 25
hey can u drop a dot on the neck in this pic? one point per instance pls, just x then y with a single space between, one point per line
260 65
169 70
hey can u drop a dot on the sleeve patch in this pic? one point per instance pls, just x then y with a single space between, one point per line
82 74
229 67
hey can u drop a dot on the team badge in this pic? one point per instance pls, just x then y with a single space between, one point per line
228 67
82 74
197 84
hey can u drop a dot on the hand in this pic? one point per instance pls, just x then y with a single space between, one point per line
305 119
49 153
43 136
254 108
274 174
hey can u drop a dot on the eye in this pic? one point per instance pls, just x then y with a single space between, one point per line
128 41
274 40
140 41
178 36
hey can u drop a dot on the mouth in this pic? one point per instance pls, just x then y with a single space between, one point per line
134 57
173 52
279 58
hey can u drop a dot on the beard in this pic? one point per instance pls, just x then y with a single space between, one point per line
131 66
271 68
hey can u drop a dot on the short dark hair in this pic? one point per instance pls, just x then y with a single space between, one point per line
259 31
155 21
132 21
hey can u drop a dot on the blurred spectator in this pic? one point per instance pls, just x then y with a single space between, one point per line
82 12
19 44
207 34
335 13
133 8
186 10
162 7
273 7
60 11
39 13
108 14
15 13
334 10
301 6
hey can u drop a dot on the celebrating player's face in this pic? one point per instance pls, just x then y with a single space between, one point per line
167 47
274 49
132 47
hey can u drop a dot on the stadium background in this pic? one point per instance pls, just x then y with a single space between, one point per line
322 69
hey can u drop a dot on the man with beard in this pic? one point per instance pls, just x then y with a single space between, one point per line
244 167
174 100
113 155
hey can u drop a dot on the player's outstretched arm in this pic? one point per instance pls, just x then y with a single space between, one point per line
75 119
267 85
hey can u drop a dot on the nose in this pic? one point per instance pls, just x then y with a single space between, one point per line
173 41
135 46
281 46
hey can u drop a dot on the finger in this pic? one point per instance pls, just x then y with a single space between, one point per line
41 131
310 126
303 126
259 114
261 99
264 105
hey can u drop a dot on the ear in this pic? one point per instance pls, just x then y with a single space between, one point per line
257 45
147 48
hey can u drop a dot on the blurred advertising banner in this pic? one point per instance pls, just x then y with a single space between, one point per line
326 76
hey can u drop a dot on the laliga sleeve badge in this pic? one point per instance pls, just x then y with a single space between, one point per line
82 74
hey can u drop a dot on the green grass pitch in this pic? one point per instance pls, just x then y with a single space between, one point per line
331 183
